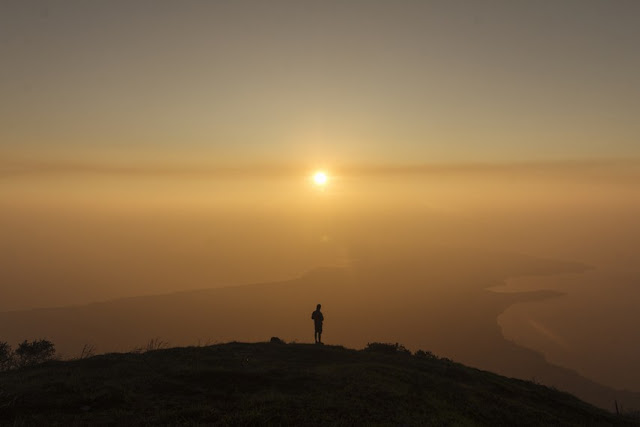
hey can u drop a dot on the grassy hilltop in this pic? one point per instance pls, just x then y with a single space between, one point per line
281 384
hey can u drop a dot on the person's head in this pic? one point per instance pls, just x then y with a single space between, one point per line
318 307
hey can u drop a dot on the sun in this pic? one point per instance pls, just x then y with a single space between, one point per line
320 178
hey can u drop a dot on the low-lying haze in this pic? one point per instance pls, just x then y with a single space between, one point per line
74 235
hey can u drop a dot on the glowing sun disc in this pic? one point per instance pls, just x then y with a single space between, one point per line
320 178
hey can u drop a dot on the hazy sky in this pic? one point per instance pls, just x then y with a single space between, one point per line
136 136
319 82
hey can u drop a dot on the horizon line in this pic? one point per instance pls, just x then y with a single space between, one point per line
271 169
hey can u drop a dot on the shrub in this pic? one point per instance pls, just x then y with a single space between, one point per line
425 354
156 344
34 352
88 350
386 348
6 356
276 340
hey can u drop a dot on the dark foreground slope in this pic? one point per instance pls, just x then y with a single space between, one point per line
284 384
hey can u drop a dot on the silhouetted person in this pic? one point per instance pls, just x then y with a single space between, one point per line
318 318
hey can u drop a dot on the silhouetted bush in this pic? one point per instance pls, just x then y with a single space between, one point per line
276 340
156 344
6 356
88 350
34 352
425 355
386 348
446 360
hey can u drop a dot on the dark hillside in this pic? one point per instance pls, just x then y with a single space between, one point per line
283 384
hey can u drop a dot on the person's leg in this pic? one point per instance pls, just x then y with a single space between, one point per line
320 337
315 336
